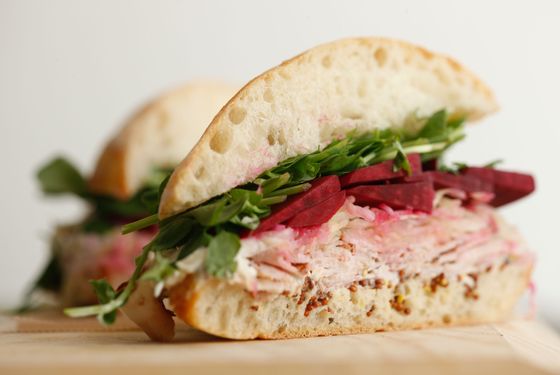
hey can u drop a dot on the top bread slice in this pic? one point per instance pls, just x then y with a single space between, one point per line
157 136
306 102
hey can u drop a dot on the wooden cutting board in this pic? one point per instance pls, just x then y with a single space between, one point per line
515 347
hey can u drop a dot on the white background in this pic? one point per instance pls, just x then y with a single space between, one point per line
71 71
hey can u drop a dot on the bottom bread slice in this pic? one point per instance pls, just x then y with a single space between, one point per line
227 310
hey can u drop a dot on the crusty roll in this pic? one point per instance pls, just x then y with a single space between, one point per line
158 135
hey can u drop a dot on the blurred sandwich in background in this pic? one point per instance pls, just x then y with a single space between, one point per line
122 188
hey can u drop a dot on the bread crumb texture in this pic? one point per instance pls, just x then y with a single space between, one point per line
226 310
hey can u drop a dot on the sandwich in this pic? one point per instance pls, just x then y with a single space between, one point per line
319 202
121 189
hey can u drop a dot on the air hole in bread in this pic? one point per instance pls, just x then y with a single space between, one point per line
380 56
221 141
351 113
237 115
281 138
268 96
200 171
454 65
446 319
271 139
284 74
326 62
441 76
426 54
282 328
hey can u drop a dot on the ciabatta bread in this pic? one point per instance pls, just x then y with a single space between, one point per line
157 136
307 101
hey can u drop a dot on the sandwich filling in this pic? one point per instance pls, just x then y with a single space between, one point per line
365 209
373 246
83 256
94 248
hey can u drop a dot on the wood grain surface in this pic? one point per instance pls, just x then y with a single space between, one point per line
516 347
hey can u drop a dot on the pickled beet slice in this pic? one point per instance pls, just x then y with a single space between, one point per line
469 184
320 213
421 177
320 190
416 195
430 165
508 186
486 174
380 172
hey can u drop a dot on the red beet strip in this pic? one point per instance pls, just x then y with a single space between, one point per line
508 186
320 213
320 190
317 205
469 184
380 172
415 195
